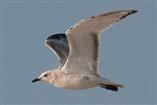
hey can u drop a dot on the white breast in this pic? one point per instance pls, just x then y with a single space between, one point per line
76 82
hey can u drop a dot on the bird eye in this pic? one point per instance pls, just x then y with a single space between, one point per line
45 75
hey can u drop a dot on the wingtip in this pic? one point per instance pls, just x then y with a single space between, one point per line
132 11
121 86
129 12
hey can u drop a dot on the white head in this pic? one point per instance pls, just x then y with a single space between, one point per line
48 76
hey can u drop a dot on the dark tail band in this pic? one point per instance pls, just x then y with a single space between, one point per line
109 87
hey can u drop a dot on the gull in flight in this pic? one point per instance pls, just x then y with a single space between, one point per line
77 51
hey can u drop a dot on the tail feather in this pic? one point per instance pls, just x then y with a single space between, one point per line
111 86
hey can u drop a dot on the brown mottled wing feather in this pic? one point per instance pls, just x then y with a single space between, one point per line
83 39
59 45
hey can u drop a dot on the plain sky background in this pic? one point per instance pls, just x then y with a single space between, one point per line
127 52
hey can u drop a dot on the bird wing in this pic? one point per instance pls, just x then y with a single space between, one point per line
83 39
59 45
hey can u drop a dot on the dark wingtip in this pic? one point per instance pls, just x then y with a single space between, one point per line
133 11
129 12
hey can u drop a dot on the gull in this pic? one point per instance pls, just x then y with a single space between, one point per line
78 50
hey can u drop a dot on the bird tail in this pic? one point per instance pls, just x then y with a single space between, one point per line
109 85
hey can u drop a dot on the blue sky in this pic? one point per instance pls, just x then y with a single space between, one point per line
127 52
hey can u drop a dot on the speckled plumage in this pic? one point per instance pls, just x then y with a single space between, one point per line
78 50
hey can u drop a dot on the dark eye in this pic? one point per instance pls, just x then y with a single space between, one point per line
45 75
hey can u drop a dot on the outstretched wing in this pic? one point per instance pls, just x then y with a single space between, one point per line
59 45
83 39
